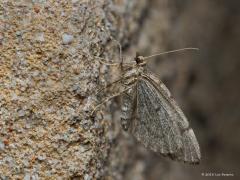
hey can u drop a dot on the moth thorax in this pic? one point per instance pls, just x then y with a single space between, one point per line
129 81
140 70
132 72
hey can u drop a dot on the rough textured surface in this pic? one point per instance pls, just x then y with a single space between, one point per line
48 78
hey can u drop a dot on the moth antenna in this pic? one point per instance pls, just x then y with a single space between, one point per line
103 61
120 49
168 52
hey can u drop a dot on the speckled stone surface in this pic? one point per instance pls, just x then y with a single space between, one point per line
47 80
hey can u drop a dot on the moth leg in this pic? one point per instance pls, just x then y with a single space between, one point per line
120 49
103 61
108 99
120 80
109 85
121 64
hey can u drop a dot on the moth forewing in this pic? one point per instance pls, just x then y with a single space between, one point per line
154 125
191 150
163 90
158 111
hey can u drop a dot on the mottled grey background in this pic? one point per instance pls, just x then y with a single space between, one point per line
205 83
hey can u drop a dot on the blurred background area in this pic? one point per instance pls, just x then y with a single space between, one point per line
47 63
205 83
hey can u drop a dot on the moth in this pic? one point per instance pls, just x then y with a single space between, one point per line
152 116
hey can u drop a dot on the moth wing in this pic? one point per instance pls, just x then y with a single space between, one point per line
160 124
190 152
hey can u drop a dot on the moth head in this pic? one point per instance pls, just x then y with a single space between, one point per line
139 59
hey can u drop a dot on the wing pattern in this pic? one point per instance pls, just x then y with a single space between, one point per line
160 124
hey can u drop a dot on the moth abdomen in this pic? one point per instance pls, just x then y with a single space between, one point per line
125 122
